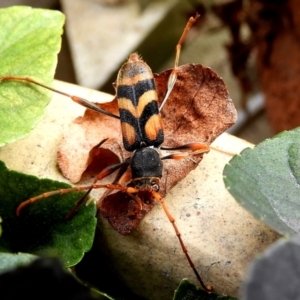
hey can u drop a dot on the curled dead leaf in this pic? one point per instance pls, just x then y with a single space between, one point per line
199 110
122 212
92 142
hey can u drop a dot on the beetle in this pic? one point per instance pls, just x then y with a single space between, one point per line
139 176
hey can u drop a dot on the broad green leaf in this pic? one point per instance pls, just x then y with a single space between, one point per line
41 227
23 269
100 295
30 40
188 291
265 180
44 278
10 261
275 274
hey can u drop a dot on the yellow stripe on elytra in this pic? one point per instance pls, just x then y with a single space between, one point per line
136 111
152 127
128 133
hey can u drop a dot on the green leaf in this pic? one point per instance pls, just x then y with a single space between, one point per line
30 40
44 278
100 295
275 274
294 160
265 180
10 261
41 227
188 291
20 270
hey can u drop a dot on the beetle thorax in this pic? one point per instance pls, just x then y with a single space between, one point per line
146 163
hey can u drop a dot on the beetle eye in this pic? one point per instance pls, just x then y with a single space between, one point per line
155 186
138 184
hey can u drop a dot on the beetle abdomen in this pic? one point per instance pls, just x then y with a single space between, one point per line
137 100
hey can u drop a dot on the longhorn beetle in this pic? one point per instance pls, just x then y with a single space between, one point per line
142 132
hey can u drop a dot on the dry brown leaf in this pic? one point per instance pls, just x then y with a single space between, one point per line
198 110
79 149
122 212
